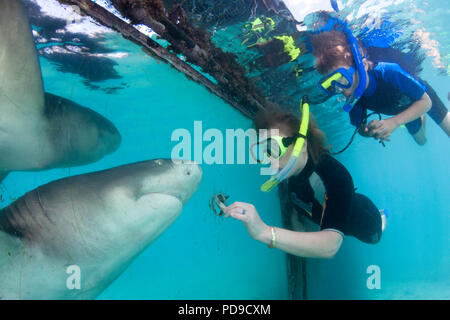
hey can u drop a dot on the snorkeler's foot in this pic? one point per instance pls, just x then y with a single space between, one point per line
383 222
445 124
384 213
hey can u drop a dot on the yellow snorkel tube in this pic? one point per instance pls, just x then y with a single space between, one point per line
299 143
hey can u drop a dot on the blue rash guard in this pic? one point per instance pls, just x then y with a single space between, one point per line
391 91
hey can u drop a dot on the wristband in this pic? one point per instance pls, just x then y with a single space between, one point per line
274 239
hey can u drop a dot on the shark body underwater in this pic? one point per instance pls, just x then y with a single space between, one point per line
40 130
98 222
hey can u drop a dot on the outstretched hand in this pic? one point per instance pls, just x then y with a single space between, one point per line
379 129
247 213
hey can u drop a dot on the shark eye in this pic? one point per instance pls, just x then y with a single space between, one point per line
187 172
159 162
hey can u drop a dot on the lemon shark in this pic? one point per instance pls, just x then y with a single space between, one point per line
94 223
40 130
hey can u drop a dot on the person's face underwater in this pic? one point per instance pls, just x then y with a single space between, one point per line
355 81
277 164
355 77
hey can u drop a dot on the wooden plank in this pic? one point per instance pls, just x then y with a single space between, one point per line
296 266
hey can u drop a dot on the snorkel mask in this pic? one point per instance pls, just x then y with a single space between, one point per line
275 147
299 143
350 103
333 79
336 81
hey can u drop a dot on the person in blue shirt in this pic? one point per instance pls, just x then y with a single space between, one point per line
390 90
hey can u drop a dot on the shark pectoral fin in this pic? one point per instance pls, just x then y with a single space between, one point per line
20 76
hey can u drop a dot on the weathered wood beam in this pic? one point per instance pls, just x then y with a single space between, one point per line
296 266
198 48
152 48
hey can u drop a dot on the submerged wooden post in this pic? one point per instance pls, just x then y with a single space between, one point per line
296 266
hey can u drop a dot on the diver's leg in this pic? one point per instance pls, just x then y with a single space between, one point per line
445 124
438 112
365 220
420 136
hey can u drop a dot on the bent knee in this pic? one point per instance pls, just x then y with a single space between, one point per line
420 136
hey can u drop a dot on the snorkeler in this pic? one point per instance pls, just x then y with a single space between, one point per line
384 88
320 188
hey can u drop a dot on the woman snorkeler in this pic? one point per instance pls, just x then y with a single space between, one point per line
320 188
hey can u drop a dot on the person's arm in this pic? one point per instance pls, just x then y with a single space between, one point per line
320 244
392 73
414 111
383 128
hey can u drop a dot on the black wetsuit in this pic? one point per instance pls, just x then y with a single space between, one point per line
343 211
391 91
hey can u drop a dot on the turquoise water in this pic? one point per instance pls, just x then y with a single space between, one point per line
412 181
202 256
413 254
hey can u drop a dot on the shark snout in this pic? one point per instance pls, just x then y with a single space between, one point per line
177 178
189 176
